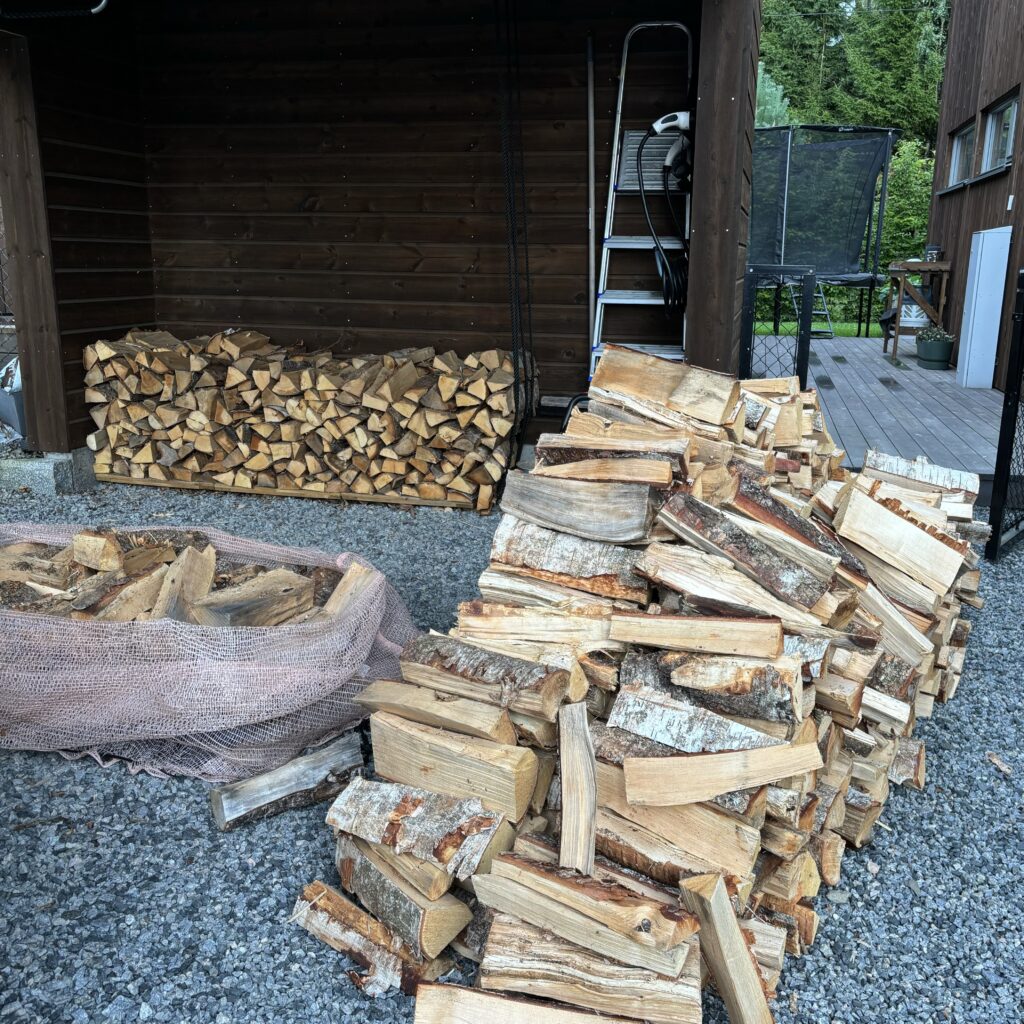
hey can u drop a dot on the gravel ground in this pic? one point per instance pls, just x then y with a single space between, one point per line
122 902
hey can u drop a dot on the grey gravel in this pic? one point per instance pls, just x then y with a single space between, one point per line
121 901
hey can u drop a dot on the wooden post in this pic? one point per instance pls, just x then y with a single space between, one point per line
23 201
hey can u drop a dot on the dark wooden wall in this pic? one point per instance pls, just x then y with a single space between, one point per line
984 64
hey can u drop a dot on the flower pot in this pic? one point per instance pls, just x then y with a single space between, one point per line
934 354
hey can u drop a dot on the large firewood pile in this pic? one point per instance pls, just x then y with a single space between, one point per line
690 681
236 412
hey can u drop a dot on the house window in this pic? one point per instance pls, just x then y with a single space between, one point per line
961 165
999 128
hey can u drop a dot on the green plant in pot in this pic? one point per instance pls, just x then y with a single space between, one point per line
934 348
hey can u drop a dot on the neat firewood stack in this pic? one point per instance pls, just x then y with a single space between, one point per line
690 682
145 575
236 412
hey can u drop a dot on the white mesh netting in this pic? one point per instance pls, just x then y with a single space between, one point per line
171 697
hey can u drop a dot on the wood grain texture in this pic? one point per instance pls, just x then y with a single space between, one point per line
578 775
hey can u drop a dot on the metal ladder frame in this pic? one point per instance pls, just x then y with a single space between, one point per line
610 243
818 314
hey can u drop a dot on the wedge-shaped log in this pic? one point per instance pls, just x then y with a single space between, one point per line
189 578
681 725
922 554
650 472
521 958
748 687
266 600
725 951
98 549
446 664
613 513
908 766
134 598
451 833
707 528
485 621
667 781
503 777
578 774
429 707
426 926
452 1004
389 962
357 580
710 634
555 557
310 779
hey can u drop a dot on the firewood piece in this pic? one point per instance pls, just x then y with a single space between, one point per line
189 578
429 707
908 766
503 584
521 958
898 541
356 581
427 926
267 600
446 664
452 1004
564 449
133 598
920 475
98 549
711 634
613 513
667 781
707 528
503 777
311 779
339 923
683 726
725 951
828 849
481 620
705 394
592 566
578 774
453 834
652 472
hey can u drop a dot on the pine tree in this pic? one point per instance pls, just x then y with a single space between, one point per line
772 105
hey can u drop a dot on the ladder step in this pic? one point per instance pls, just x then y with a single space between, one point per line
664 351
630 297
640 242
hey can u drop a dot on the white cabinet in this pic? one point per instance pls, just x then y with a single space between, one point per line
983 307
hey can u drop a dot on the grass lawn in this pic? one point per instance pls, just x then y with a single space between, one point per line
841 329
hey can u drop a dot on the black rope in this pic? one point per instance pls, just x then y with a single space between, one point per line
516 234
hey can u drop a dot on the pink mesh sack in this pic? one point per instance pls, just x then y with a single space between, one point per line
175 698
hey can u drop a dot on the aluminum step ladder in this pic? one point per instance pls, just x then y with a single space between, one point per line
624 181
820 312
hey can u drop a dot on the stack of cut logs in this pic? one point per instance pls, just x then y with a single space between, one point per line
235 412
693 675
145 575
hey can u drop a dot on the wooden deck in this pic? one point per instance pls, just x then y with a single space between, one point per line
870 402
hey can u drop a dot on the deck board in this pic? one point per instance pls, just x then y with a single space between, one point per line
928 414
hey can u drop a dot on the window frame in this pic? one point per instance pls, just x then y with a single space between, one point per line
956 149
992 117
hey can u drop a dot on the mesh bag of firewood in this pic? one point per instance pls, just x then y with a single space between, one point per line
217 702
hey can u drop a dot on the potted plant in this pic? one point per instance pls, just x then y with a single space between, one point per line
934 348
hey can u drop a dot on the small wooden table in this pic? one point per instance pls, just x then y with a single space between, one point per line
901 285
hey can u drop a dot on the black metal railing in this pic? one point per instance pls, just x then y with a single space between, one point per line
776 341
1006 513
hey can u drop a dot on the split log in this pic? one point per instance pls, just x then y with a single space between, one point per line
521 958
188 580
503 777
451 1004
426 926
389 962
710 634
577 772
481 620
266 600
725 950
310 779
446 664
450 833
908 766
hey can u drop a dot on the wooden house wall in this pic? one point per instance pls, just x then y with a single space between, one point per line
983 65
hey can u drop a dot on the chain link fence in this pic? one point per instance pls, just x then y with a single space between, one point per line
775 332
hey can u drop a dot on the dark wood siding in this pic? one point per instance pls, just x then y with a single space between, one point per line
983 65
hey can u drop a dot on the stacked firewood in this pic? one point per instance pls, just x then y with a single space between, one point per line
145 575
236 412
689 685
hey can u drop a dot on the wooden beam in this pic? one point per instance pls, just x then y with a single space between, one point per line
29 262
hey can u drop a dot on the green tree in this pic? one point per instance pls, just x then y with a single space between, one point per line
905 229
772 105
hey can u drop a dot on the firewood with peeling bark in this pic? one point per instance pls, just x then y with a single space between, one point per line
578 773
521 958
426 926
311 779
451 833
389 962
266 600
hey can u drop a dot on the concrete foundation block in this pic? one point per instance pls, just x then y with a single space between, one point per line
52 473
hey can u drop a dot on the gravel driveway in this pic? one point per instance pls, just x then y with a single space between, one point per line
121 901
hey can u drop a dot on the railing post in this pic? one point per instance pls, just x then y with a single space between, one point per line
1007 427
808 284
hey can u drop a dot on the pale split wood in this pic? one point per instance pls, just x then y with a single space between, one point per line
481 619
452 1004
189 578
578 773
711 634
266 600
